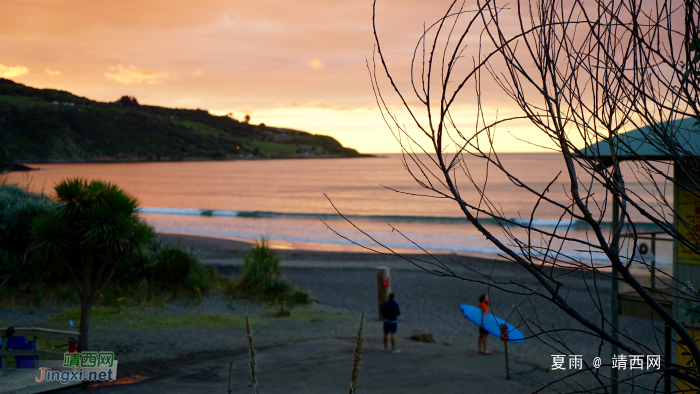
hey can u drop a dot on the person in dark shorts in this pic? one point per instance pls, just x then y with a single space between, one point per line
484 305
390 311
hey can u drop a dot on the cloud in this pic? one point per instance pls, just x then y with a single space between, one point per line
316 64
12 71
321 105
198 73
52 73
131 74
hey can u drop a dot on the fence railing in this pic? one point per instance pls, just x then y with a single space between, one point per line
36 333
653 238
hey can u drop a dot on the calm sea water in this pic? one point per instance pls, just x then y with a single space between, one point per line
288 201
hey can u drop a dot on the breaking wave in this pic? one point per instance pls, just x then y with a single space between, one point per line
539 223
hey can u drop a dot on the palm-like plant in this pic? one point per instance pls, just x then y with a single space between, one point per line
95 228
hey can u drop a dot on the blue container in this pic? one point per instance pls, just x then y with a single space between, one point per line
21 343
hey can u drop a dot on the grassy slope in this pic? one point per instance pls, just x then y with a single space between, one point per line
45 125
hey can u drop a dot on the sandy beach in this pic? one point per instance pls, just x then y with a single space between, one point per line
347 280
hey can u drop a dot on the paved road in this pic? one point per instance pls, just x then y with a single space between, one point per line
323 366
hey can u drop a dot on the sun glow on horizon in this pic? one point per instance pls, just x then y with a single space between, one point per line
364 130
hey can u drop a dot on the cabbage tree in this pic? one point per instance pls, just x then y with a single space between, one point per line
95 228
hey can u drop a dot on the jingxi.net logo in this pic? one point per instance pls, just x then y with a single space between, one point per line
82 367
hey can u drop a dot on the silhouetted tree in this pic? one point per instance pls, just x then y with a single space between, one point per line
128 101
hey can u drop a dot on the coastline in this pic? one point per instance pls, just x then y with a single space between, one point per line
226 254
15 167
21 165
218 249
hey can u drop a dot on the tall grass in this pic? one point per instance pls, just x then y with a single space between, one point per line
261 270
357 357
251 353
261 279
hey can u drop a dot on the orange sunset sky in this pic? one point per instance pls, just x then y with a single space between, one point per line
298 64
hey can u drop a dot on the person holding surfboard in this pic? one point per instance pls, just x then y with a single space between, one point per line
484 305
390 311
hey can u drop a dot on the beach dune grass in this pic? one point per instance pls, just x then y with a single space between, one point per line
261 279
261 271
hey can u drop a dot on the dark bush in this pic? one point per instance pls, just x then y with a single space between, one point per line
174 269
298 297
164 268
200 279
134 267
5 156
276 288
18 207
171 266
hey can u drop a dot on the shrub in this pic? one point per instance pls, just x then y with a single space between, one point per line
171 266
200 278
5 156
174 269
261 279
261 272
10 265
160 273
144 275
298 297
18 207
276 288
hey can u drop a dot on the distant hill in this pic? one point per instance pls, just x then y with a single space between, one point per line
40 125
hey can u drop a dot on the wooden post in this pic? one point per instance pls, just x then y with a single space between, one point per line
653 262
36 347
504 339
383 288
667 355
507 370
614 308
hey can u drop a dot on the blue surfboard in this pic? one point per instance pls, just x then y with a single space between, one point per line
493 323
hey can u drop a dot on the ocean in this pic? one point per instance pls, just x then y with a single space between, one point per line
295 203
